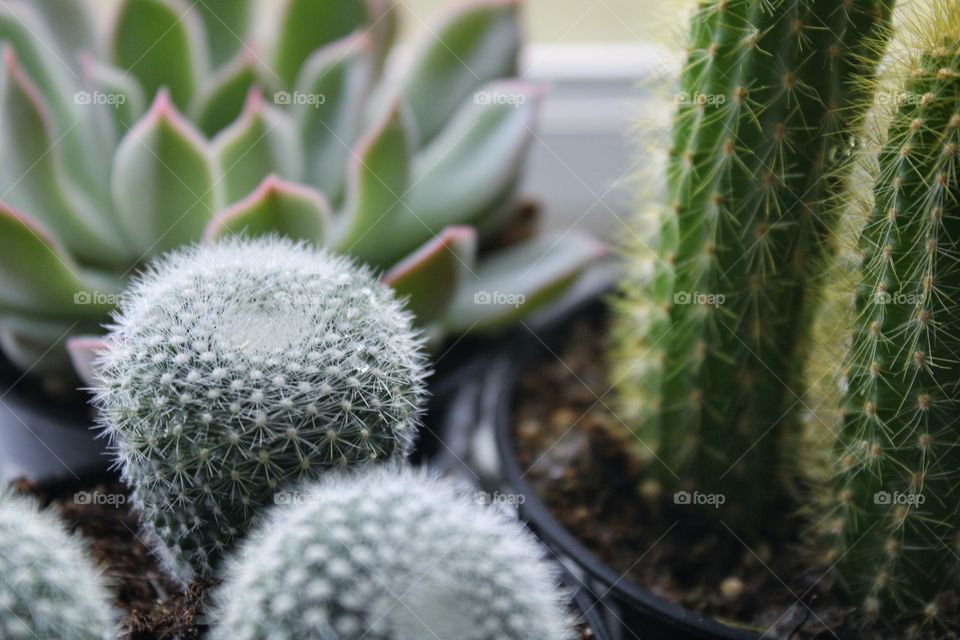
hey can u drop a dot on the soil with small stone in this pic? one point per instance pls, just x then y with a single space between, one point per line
153 605
576 452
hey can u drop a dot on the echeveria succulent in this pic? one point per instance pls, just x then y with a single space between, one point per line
185 121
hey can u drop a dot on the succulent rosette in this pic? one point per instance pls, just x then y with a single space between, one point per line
184 122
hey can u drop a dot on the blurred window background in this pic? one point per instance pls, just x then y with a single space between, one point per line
604 121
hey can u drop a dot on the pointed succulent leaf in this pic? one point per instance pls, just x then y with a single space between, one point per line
24 30
276 207
72 25
384 27
34 345
262 141
33 176
520 280
161 43
307 25
38 278
85 352
334 83
430 277
473 164
476 44
227 25
121 100
377 179
221 99
164 181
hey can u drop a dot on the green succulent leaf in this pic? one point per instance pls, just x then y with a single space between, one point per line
331 90
430 277
85 352
306 25
221 99
24 30
32 344
164 181
261 142
377 178
475 45
474 163
33 177
161 43
124 101
227 25
384 26
520 280
276 207
38 278
73 25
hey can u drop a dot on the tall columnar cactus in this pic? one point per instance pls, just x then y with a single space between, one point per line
236 368
201 119
49 587
389 555
709 334
893 522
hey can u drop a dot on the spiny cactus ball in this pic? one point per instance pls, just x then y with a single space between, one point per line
235 368
49 587
389 554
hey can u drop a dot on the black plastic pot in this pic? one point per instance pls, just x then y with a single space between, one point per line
627 610
46 437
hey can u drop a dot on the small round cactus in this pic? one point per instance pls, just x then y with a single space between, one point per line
49 587
235 368
389 554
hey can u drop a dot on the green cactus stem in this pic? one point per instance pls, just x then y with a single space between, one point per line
894 526
711 328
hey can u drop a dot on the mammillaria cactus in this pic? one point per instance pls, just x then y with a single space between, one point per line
890 517
235 368
708 339
389 555
49 587
187 119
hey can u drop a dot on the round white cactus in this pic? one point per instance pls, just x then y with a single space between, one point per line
49 587
389 554
235 368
